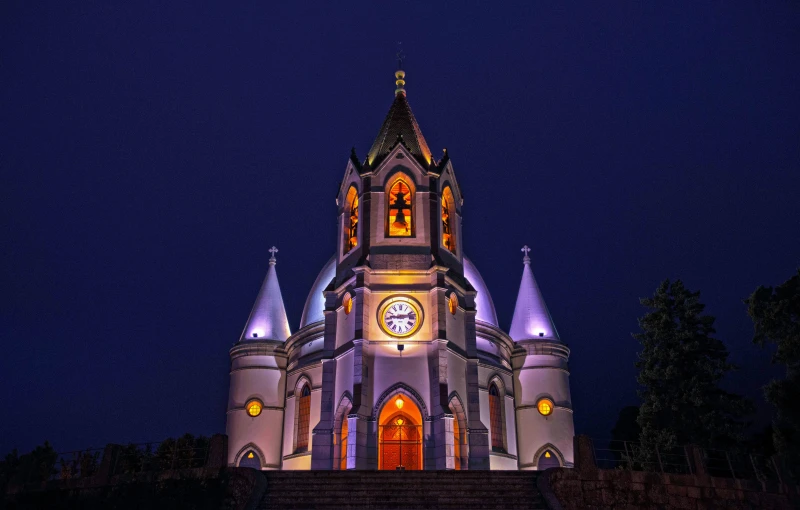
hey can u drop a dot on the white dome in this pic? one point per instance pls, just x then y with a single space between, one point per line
483 301
315 303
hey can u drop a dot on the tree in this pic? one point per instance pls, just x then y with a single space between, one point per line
680 368
625 431
627 427
776 320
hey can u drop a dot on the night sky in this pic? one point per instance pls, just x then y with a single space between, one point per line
151 153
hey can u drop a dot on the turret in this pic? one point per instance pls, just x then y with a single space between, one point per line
258 380
541 378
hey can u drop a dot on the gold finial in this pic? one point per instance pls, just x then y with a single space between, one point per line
400 75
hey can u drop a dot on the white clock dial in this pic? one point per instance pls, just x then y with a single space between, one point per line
400 318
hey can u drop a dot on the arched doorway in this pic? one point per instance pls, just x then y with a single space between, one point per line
250 459
400 435
548 460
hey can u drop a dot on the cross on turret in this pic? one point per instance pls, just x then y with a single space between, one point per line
526 259
272 251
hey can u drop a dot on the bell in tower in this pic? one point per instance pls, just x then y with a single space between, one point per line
400 210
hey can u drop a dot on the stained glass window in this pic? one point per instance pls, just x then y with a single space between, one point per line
495 418
545 406
253 408
400 209
452 303
303 417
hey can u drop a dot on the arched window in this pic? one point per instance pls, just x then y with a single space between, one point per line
400 211
351 220
448 220
303 418
250 460
496 418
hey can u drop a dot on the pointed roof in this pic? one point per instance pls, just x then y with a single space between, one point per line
400 126
531 318
268 319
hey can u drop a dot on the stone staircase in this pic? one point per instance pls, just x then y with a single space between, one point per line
389 490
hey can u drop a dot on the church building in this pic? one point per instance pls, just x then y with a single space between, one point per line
399 362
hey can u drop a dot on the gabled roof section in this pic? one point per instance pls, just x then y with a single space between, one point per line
268 319
531 320
400 126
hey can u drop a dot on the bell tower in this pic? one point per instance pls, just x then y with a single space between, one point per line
399 313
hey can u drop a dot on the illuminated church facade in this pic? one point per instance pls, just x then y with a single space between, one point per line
399 361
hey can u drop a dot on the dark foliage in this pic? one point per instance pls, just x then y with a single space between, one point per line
776 319
627 427
681 366
36 466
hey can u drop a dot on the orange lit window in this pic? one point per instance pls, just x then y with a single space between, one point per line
448 220
253 408
343 446
351 220
452 303
347 303
545 406
303 417
401 199
456 444
495 418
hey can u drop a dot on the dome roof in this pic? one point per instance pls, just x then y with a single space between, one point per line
483 301
315 303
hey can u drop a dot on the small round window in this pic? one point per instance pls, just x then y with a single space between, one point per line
452 303
253 408
347 303
545 407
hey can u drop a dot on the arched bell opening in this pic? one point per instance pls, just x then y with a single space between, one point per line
400 435
350 221
400 206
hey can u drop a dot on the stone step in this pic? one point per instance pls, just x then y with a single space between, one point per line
400 502
360 490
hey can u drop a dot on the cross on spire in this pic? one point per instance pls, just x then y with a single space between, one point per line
526 259
272 251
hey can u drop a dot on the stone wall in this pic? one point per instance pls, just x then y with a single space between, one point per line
587 487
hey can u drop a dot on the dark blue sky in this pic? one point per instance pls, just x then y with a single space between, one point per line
151 153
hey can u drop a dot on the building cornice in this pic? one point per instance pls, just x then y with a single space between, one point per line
258 348
541 348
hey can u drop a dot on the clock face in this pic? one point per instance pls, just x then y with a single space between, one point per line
400 317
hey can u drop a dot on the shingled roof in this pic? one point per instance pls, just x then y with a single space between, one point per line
399 126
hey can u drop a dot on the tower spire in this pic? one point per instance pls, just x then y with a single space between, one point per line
532 319
268 319
399 126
